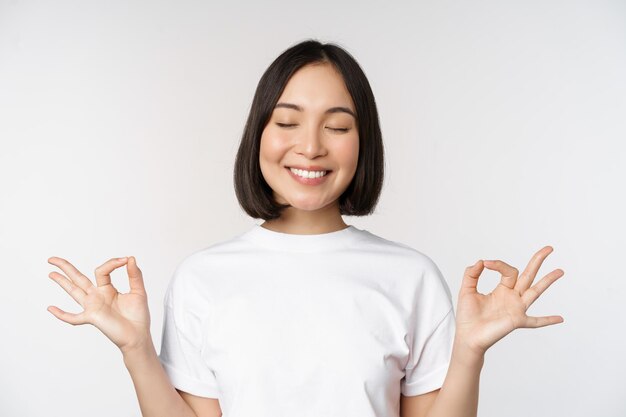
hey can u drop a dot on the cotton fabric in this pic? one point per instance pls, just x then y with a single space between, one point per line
333 324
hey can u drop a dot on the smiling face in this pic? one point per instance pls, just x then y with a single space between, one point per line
313 125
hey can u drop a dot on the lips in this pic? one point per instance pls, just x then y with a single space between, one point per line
328 171
309 168
306 180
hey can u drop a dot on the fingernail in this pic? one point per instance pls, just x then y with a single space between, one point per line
122 259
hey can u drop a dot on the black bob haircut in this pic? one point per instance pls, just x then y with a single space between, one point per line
255 196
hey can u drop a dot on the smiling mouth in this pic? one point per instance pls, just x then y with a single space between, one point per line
297 171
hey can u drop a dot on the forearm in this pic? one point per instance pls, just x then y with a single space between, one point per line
156 394
458 396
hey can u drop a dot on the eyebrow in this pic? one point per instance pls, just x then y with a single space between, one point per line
339 109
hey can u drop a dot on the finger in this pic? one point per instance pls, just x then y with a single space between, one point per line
75 292
534 322
530 272
71 318
471 275
530 295
509 273
135 277
103 272
71 272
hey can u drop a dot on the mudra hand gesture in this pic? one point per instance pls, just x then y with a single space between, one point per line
483 319
123 318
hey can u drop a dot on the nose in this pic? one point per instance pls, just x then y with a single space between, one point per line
311 143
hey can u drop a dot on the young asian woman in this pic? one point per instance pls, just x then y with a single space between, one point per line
305 314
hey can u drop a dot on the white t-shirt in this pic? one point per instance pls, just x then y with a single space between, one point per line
333 324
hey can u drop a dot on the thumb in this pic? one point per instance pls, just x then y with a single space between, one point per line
135 277
471 275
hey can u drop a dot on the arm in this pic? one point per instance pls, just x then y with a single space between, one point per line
459 394
457 397
125 320
482 320
417 405
203 407
157 397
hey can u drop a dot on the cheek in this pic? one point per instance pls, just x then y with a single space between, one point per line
273 146
348 153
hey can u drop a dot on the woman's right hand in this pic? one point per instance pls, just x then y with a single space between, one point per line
123 318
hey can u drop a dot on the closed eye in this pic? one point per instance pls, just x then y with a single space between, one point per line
338 129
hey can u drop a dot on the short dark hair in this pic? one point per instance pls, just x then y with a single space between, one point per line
361 196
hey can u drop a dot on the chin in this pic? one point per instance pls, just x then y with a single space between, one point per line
307 206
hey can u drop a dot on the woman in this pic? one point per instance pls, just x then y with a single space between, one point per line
304 314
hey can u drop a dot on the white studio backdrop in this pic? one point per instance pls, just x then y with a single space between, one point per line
504 125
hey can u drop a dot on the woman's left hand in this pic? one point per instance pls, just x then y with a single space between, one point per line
483 319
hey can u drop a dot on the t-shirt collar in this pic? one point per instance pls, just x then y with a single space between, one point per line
320 242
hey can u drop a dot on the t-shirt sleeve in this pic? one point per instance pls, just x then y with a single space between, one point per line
432 335
181 342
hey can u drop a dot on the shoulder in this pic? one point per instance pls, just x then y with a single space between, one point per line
194 275
215 254
423 275
401 251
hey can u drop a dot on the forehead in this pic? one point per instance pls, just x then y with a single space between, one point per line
316 87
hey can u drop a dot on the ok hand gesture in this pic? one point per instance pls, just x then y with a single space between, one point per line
482 319
123 318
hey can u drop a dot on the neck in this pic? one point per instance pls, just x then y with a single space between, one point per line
307 222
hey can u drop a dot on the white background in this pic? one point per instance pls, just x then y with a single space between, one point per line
504 125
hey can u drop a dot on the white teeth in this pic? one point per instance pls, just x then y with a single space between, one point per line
308 174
